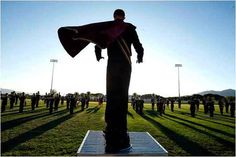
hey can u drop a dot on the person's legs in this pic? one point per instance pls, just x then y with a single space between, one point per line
118 78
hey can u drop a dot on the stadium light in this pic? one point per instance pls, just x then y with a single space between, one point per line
178 66
53 61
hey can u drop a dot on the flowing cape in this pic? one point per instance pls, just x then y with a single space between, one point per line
76 38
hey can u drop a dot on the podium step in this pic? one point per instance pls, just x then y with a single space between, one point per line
143 144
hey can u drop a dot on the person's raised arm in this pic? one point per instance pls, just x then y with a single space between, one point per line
98 53
138 47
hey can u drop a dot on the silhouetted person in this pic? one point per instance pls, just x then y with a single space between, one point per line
48 100
153 103
12 99
210 104
133 102
167 102
226 105
204 102
4 102
161 106
172 105
16 97
45 98
33 102
22 102
179 103
158 103
56 103
82 100
192 107
87 99
117 36
73 101
51 102
232 107
221 105
72 104
139 105
118 79
164 106
37 99
197 102
67 101
62 100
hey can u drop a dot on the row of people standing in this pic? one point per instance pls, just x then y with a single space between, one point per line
51 101
209 106
228 104
35 98
72 100
195 103
14 97
161 103
137 104
208 103
83 99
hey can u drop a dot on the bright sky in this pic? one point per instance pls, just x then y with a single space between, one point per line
199 35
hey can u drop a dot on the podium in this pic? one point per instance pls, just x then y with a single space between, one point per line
143 144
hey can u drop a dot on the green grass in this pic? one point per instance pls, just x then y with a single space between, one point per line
38 133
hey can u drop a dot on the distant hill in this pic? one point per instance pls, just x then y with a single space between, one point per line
227 92
3 91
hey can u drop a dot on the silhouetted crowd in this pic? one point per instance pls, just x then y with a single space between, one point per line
209 105
158 103
51 101
137 104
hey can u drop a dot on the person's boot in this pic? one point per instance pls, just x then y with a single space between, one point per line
116 143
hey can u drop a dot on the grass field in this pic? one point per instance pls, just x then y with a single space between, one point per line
38 133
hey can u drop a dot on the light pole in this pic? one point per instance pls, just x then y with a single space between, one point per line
179 65
53 61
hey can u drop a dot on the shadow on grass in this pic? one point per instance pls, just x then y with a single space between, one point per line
15 109
182 113
229 144
27 110
130 114
205 126
94 109
12 143
15 122
208 120
189 146
11 112
8 114
223 118
36 110
57 113
153 113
